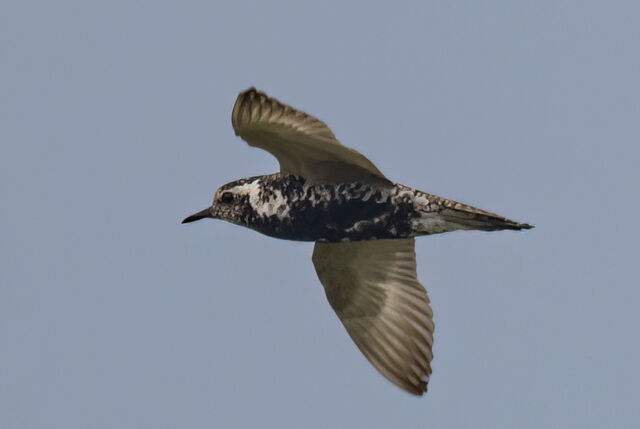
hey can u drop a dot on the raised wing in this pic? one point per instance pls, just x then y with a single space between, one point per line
303 145
372 286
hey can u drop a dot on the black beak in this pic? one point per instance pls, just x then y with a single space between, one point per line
200 215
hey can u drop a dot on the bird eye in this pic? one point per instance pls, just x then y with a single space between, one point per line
226 198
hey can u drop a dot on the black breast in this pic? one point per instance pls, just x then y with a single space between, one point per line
337 212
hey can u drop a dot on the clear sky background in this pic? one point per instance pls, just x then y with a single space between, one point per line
115 124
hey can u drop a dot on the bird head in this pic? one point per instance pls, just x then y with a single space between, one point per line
231 203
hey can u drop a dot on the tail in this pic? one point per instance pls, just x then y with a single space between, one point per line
439 215
472 218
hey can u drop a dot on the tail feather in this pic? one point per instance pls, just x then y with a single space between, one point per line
440 215
472 218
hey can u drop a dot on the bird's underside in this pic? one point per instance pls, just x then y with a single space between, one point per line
290 208
363 225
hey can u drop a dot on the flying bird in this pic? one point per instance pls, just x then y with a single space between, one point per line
363 225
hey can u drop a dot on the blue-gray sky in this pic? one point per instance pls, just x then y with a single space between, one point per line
115 124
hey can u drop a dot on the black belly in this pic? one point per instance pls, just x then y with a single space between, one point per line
338 220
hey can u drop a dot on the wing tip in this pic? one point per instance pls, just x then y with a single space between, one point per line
251 91
248 107
418 389
238 107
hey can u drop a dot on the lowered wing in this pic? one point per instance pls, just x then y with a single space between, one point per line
373 288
